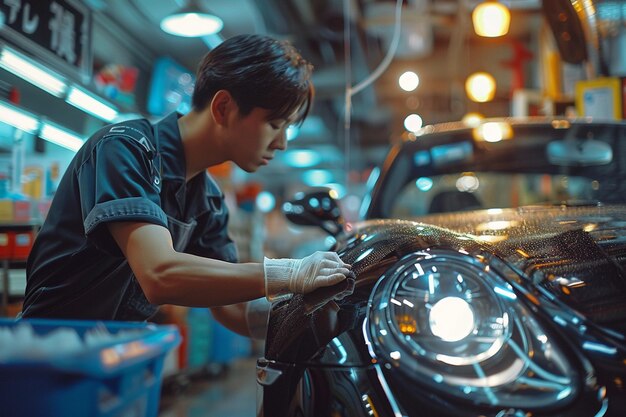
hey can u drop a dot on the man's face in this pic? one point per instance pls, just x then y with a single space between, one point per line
256 138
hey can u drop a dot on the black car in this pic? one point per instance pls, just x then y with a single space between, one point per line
489 280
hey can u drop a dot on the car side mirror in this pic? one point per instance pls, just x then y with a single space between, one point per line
575 152
317 208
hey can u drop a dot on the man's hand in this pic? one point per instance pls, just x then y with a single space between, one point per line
321 269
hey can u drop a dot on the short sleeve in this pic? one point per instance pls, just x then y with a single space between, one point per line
117 183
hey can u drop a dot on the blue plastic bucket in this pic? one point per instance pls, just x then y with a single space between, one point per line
120 378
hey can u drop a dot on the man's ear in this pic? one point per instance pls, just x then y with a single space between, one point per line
222 105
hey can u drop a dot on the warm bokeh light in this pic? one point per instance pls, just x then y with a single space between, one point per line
496 225
337 190
409 81
413 122
491 19
467 183
493 132
480 87
472 119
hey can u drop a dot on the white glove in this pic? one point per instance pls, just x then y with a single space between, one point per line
321 269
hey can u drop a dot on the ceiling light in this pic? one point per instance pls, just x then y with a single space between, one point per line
191 21
32 72
409 81
480 87
491 19
18 118
91 104
60 136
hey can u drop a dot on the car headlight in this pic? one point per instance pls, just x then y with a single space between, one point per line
446 320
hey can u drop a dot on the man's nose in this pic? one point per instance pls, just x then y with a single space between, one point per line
280 142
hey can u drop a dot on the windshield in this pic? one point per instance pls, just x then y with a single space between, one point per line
502 165
479 190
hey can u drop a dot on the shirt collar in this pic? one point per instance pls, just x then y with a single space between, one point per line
170 148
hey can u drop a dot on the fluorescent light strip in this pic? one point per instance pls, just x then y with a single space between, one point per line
32 72
60 137
18 118
91 104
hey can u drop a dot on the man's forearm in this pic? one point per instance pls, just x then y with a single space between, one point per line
195 281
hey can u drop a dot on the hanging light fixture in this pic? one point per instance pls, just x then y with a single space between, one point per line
191 21
491 19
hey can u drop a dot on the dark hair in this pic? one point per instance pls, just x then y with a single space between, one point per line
258 71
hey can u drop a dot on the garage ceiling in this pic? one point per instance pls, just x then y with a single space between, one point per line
437 42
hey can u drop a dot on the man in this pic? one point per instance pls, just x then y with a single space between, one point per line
136 220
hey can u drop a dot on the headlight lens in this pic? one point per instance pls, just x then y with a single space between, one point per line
444 319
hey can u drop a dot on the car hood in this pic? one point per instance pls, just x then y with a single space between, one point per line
577 253
573 254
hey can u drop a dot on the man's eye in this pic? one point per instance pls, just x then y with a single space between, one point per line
275 126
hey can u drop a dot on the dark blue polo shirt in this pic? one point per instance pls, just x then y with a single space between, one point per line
131 171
